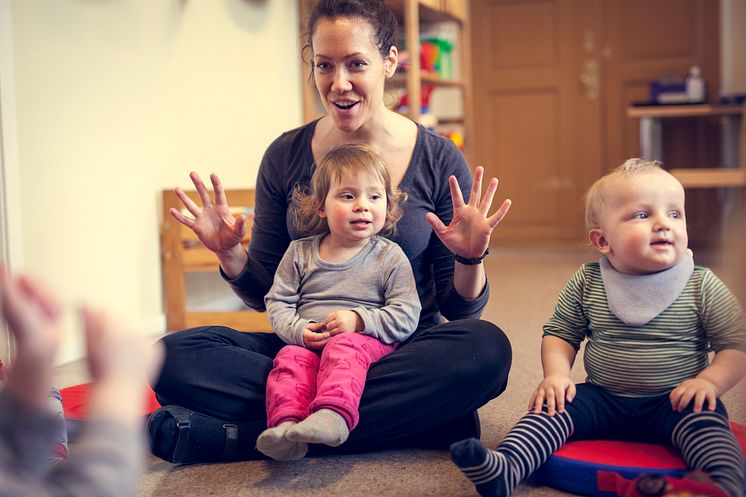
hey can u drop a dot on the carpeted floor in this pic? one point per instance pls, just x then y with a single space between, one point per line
524 286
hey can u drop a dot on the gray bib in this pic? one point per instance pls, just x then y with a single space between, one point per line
637 299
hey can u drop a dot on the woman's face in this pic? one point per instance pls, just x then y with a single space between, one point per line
350 71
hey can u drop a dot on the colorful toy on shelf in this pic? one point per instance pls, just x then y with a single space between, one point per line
456 137
403 66
435 56
403 104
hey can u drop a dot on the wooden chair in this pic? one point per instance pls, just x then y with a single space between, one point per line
713 177
182 252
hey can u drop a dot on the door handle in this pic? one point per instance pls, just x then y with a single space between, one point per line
590 78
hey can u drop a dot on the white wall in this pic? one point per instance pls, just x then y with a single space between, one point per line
115 101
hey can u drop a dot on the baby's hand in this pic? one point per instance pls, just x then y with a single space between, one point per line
553 391
315 336
697 389
343 322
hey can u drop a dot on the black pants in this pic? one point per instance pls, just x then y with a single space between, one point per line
412 396
598 414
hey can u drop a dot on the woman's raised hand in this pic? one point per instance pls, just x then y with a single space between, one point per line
468 234
213 223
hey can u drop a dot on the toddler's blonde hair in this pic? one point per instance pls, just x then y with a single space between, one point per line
595 196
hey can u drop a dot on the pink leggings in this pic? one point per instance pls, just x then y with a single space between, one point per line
301 382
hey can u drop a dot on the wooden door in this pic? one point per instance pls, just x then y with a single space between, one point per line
552 79
531 111
644 40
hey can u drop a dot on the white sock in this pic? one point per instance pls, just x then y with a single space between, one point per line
322 427
272 443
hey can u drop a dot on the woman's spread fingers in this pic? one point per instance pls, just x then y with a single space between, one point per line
204 195
218 189
240 225
435 222
498 216
188 222
193 208
489 195
456 196
476 186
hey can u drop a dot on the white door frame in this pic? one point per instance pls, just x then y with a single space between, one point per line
11 240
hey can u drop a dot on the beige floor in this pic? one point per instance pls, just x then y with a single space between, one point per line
524 285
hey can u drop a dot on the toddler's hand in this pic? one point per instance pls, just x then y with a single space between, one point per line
699 390
343 322
315 336
553 391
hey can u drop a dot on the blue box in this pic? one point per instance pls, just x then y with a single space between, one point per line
668 92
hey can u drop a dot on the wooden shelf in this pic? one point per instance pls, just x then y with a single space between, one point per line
707 177
695 110
400 80
696 177
450 120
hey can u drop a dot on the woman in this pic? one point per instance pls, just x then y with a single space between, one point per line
424 394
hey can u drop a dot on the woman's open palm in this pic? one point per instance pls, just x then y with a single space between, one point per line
213 223
469 231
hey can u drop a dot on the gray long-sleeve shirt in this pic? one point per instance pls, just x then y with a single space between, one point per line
106 462
376 283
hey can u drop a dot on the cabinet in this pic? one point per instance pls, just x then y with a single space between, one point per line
416 18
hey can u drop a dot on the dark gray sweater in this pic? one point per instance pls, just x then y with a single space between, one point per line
289 162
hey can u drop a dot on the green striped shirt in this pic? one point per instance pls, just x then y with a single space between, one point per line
648 360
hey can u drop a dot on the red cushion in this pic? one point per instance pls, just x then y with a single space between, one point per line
631 453
575 466
75 401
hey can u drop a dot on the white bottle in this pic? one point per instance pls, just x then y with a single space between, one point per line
695 86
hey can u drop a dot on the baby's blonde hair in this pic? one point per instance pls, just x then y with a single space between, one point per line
345 161
595 196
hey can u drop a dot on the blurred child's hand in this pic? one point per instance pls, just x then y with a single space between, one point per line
699 390
33 316
315 336
120 360
553 391
343 322
118 352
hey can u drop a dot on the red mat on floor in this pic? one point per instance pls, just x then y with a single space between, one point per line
574 468
75 402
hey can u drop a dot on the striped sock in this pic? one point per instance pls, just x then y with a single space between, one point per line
529 444
707 444
487 469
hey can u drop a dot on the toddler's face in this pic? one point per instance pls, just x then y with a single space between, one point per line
642 227
355 209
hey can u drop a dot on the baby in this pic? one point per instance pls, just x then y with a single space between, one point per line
650 317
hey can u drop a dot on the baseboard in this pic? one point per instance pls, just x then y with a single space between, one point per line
152 327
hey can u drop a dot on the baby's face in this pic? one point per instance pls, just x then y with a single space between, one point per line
643 223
